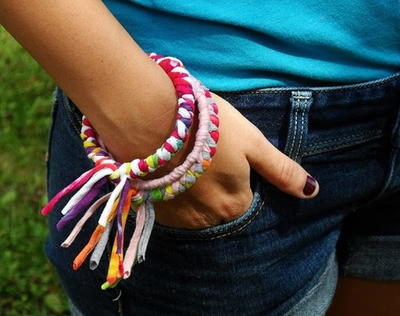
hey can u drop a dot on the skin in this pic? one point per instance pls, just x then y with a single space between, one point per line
360 297
93 67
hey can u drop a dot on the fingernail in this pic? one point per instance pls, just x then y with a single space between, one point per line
310 185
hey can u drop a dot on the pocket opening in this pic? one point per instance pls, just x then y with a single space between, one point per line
220 230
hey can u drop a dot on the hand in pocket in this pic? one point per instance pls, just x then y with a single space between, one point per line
223 192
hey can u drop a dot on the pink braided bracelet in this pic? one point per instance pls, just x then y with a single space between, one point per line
130 189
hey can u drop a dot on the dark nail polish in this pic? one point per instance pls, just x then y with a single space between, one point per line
310 185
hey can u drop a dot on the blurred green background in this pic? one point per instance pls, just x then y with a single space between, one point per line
28 284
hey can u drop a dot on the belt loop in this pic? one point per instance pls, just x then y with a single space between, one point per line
298 124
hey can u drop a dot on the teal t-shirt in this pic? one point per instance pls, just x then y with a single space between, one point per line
247 44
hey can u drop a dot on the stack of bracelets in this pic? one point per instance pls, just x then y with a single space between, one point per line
129 188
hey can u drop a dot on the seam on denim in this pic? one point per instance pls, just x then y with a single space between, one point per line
216 234
78 118
356 86
118 299
276 91
251 219
216 230
301 133
294 131
74 309
396 129
301 103
340 146
394 155
374 131
331 260
68 111
357 248
258 197
244 225
50 131
69 115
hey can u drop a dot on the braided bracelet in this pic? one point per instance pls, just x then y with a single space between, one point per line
129 188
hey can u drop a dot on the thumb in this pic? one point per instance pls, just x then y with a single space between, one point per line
280 170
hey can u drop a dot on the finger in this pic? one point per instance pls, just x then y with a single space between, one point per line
279 169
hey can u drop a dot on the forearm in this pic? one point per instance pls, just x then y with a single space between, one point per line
101 68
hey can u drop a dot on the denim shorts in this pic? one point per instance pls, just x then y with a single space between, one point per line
284 254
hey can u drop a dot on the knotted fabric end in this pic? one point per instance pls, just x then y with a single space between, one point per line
129 188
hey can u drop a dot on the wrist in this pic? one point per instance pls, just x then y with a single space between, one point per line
134 125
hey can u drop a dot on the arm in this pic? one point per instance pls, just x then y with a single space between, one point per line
100 67
96 62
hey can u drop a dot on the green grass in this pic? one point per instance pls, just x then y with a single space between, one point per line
28 285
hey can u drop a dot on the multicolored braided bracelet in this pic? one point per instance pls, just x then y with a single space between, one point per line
130 189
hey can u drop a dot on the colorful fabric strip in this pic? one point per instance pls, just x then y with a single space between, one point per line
129 188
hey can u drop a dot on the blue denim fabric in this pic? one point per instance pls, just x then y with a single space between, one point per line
281 257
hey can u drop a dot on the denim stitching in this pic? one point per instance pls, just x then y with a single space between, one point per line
72 116
68 111
246 217
54 110
355 87
375 131
311 292
342 145
294 131
78 117
396 129
71 108
301 133
349 138
394 155
246 221
243 225
300 102
118 299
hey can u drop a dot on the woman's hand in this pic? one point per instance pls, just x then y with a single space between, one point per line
83 62
223 192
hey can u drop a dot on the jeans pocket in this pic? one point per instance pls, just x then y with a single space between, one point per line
297 129
221 230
